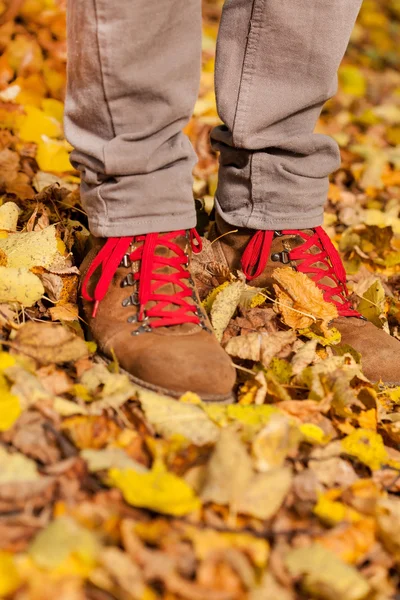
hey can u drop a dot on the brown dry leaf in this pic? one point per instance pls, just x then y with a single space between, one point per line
66 312
261 347
53 284
49 343
333 472
9 165
124 572
300 302
304 357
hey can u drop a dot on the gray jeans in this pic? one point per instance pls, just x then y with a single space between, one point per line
133 77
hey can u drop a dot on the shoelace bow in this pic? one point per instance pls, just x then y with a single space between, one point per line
148 278
258 250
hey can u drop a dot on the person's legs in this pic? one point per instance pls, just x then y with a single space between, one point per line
133 78
277 63
276 66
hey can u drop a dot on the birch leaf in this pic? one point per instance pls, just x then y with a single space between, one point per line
20 285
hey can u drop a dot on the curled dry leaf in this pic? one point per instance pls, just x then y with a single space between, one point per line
261 347
224 307
300 302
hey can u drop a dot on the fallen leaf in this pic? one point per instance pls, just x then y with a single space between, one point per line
230 480
368 447
66 312
15 467
325 576
261 347
388 520
9 216
300 302
30 249
156 490
110 458
49 343
20 285
274 442
62 539
170 417
9 577
372 304
304 357
224 306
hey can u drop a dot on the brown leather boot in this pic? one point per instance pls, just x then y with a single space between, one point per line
311 252
141 303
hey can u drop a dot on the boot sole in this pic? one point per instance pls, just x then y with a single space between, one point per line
211 399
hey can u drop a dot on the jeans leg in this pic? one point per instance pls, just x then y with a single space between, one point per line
277 63
133 78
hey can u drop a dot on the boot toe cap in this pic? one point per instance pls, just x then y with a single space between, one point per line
379 351
175 365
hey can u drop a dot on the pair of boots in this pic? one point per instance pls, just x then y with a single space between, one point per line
141 303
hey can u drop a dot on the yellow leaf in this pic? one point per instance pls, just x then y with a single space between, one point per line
30 249
53 155
300 302
53 108
37 124
156 490
10 408
20 285
372 304
352 81
333 512
313 434
224 307
367 446
9 216
9 578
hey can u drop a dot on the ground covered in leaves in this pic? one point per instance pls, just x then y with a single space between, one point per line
108 492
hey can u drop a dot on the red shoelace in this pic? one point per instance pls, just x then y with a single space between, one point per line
148 279
258 250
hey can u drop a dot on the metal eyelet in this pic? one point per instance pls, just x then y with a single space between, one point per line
142 329
132 300
282 257
125 262
128 280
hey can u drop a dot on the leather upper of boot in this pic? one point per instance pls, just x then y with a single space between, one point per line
161 337
296 249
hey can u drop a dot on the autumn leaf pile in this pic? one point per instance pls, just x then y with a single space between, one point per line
111 492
